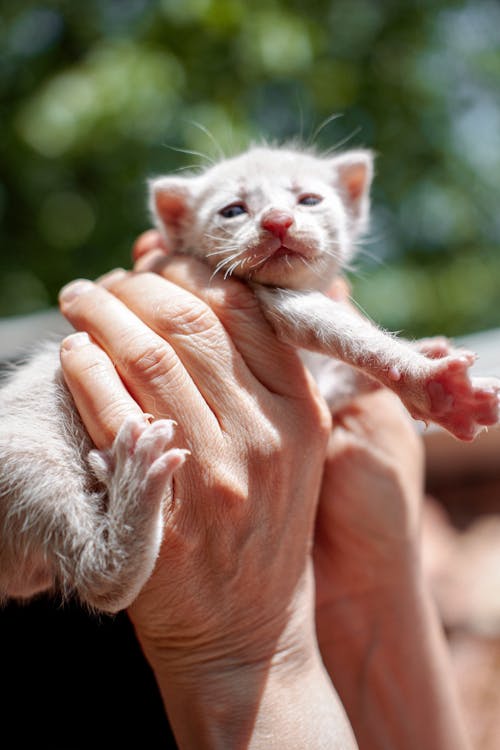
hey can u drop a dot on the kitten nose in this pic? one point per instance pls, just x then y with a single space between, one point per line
277 222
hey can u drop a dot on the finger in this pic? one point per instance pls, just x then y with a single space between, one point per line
148 365
100 396
196 335
153 261
147 241
339 289
273 363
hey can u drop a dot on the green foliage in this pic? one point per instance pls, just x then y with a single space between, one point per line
97 96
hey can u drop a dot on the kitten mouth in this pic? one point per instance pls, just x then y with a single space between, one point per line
283 251
279 256
286 253
281 259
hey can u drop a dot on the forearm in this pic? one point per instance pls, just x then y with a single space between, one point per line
288 702
386 654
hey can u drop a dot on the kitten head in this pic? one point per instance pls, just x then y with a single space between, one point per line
272 215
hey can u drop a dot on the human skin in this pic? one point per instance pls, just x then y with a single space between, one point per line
227 618
378 630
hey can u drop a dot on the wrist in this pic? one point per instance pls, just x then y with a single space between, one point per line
283 700
378 599
384 648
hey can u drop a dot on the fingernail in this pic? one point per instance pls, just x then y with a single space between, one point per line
111 276
75 341
72 290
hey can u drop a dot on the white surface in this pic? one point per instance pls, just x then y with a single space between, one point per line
20 332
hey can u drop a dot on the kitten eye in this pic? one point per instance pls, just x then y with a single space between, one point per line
310 199
235 209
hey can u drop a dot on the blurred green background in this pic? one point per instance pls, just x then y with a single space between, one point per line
96 96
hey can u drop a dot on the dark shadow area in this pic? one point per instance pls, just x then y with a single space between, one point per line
71 680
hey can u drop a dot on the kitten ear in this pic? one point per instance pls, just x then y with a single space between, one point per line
170 201
354 175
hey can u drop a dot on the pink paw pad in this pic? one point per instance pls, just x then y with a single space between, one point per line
461 404
435 348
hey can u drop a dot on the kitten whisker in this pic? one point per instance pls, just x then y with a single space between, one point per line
211 137
231 269
191 152
332 253
225 262
260 262
323 125
336 146
363 252
188 168
219 252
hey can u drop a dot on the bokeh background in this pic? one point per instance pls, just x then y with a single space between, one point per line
96 96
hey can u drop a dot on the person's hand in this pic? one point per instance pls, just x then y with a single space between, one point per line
367 525
149 241
378 630
256 429
232 591
372 480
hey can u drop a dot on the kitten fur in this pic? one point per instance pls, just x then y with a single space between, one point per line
89 523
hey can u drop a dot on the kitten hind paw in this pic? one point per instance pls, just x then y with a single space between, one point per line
137 471
140 460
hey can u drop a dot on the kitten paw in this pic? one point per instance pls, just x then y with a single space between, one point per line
140 459
137 472
458 403
435 347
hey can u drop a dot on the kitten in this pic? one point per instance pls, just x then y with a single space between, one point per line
88 522
288 222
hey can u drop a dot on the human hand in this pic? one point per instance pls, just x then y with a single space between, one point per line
149 241
378 631
232 591
372 481
244 503
367 525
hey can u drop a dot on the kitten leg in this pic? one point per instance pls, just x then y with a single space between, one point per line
137 471
432 387
60 527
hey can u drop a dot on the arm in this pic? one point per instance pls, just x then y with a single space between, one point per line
378 630
226 620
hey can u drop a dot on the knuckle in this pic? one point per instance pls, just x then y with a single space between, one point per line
271 442
183 319
230 488
314 416
149 362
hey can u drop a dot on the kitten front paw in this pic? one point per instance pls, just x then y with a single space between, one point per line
435 347
458 403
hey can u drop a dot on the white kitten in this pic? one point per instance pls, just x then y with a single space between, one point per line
288 222
87 522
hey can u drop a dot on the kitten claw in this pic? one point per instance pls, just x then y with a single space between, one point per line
440 389
132 460
462 405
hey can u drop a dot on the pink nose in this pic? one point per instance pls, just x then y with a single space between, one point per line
277 222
